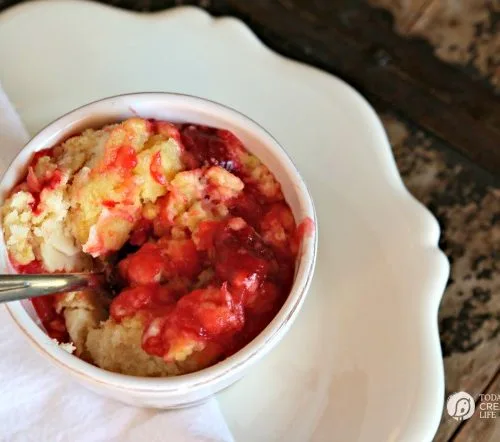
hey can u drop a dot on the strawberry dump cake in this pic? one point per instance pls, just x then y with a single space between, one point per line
193 233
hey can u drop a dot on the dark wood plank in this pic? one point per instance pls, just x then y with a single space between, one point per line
461 32
357 42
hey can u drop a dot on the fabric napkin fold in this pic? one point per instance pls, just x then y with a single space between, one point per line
40 403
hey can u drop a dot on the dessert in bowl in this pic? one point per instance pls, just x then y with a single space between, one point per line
201 223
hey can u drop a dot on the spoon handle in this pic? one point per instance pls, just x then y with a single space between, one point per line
17 287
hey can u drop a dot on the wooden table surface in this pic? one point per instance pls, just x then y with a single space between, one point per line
432 70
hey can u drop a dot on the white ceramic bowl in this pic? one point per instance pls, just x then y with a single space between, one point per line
192 388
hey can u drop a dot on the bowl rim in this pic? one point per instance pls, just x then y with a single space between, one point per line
235 363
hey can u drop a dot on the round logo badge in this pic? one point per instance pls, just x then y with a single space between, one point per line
460 406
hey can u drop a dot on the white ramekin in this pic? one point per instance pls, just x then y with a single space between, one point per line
192 388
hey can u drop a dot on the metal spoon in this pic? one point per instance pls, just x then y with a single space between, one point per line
17 287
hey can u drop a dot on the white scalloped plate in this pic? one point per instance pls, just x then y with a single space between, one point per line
363 360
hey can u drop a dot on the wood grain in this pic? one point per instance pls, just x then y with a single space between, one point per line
462 32
354 41
407 13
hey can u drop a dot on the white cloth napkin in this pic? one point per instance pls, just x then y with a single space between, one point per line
40 403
